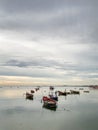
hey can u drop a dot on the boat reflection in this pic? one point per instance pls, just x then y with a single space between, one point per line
49 108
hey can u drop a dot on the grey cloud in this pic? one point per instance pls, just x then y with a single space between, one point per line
65 18
13 6
43 4
39 62
39 67
71 21
17 63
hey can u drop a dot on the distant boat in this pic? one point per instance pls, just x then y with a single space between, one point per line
94 86
32 91
36 89
80 88
86 91
29 96
74 92
62 93
51 88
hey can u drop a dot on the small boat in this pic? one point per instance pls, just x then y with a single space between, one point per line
48 102
94 86
62 93
32 91
29 96
51 88
86 91
74 92
36 89
80 88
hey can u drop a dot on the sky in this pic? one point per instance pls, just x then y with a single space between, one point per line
49 42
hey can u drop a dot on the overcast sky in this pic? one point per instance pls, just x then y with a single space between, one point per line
49 41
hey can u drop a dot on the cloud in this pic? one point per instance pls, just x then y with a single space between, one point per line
53 18
49 35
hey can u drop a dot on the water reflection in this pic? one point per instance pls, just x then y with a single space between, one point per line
18 113
11 93
49 108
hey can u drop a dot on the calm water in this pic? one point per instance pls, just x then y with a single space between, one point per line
74 112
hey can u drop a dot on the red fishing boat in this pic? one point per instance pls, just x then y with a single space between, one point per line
48 102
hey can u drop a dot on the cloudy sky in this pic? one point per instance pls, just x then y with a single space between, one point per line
49 42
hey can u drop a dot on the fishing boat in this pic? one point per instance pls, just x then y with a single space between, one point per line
62 93
74 92
29 96
86 91
36 89
32 91
48 102
94 86
51 88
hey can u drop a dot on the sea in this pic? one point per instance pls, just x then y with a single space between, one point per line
73 112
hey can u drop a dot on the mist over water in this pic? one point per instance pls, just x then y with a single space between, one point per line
74 112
